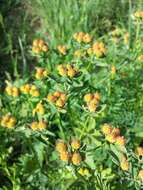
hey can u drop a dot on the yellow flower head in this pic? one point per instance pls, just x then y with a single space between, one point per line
40 73
8 121
39 46
75 144
138 14
12 91
140 175
39 109
65 156
61 146
139 151
106 129
124 165
99 49
62 49
57 98
76 158
120 140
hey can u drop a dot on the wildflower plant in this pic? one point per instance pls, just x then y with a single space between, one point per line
76 116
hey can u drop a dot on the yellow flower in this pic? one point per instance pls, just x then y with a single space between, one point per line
111 138
40 73
106 129
39 46
76 158
86 171
126 38
60 103
140 58
120 140
34 91
61 146
42 125
38 125
139 151
88 97
99 49
25 88
92 106
87 38
116 131
75 144
58 98
12 91
62 70
82 37
39 109
34 125
138 14
8 121
78 53
124 165
62 49
90 51
51 98
113 70
140 174
65 156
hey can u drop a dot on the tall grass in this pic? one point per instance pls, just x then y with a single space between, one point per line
61 18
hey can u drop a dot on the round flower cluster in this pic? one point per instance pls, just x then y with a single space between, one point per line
12 91
57 98
62 49
112 135
92 101
40 73
8 121
69 153
30 89
99 49
39 109
38 125
82 37
67 70
39 46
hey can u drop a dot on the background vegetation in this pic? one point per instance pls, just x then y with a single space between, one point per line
29 161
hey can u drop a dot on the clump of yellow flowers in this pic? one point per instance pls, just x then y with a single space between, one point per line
39 46
62 49
99 49
82 37
67 70
12 91
40 73
41 125
92 101
39 109
30 89
112 135
58 98
68 155
8 121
